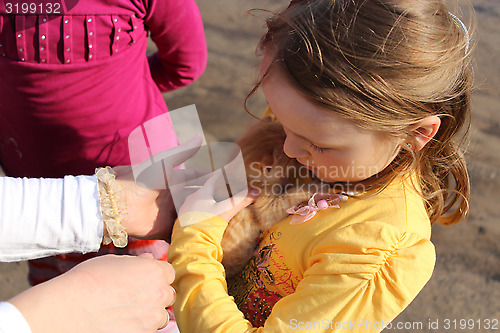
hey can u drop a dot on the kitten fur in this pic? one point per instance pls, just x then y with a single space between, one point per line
282 182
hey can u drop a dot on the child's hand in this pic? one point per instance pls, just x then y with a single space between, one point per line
202 204
104 294
151 212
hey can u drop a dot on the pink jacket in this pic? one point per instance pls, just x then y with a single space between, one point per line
75 84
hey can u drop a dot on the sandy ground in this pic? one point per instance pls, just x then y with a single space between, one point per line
466 280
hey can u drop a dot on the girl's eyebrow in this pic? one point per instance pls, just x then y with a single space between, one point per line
320 145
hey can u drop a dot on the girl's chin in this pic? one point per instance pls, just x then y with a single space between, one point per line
326 180
326 177
333 181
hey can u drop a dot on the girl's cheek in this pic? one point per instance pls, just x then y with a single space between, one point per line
328 160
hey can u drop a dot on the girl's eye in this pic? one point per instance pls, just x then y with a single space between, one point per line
318 149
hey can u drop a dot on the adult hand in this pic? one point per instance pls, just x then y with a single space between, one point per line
104 294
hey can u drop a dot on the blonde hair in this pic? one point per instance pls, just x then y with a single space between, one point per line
386 65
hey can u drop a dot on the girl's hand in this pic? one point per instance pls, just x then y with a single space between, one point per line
104 294
151 212
202 205
252 194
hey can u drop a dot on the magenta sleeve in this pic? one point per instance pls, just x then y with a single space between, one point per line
177 30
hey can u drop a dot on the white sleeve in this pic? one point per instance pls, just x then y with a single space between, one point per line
43 217
11 320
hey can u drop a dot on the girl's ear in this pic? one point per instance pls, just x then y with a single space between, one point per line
424 131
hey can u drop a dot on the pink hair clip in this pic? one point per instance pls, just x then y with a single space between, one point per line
319 201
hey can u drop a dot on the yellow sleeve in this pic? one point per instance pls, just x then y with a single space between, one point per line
356 279
202 302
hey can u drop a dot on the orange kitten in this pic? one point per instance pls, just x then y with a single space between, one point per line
282 182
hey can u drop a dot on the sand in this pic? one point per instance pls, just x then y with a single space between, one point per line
466 281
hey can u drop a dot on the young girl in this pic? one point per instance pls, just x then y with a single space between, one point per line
76 82
370 94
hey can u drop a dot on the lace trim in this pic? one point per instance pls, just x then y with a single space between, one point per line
113 207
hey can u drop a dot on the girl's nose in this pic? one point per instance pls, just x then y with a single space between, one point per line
294 148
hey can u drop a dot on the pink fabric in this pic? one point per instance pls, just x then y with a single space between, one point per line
73 86
319 201
67 112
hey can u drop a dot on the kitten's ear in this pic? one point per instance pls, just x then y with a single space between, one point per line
267 161
278 153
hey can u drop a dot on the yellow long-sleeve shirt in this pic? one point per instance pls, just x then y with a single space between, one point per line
352 269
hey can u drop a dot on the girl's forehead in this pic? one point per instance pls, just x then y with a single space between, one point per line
320 128
305 118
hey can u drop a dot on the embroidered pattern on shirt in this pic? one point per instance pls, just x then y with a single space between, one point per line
251 288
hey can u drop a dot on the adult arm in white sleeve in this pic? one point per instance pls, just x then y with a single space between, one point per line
89 298
43 217
11 320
